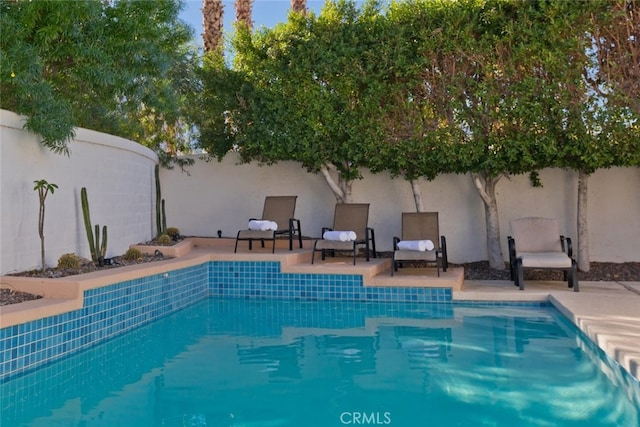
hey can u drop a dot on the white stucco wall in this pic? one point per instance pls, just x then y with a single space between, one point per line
117 173
224 195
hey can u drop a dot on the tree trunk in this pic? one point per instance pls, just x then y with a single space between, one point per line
299 6
212 15
341 189
583 228
244 12
486 186
417 195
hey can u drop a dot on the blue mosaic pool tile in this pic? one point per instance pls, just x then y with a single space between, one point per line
107 312
114 309
246 279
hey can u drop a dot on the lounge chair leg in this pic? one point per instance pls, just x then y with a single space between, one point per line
299 231
373 244
573 277
520 274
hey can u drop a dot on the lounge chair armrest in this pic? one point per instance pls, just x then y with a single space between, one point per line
396 240
512 248
294 224
443 253
293 221
569 246
325 229
371 236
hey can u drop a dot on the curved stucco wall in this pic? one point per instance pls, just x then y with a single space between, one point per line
224 195
117 173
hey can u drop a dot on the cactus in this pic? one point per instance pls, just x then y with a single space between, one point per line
161 216
98 248
132 254
164 240
69 262
102 249
173 232
164 219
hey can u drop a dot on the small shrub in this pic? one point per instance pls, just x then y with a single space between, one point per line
173 232
69 262
132 254
164 240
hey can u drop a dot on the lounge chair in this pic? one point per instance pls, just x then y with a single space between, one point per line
348 217
536 243
279 209
420 227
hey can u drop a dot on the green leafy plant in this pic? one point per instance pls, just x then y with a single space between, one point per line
43 188
69 261
97 247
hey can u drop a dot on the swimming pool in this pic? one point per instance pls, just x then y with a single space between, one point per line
233 362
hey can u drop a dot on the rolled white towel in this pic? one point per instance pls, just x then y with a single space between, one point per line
262 225
416 245
342 236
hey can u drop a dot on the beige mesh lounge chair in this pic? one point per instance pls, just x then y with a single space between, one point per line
536 243
279 209
421 226
348 217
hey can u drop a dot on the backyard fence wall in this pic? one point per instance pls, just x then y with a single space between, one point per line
223 195
117 173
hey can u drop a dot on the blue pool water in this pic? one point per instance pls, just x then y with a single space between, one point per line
234 362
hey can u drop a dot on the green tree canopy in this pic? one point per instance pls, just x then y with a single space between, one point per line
304 91
123 67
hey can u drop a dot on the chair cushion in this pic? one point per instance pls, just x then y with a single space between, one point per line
536 235
256 234
408 255
334 244
545 259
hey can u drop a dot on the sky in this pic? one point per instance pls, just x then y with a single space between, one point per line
265 13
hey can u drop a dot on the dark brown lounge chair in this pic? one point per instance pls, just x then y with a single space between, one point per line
348 217
281 210
421 226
